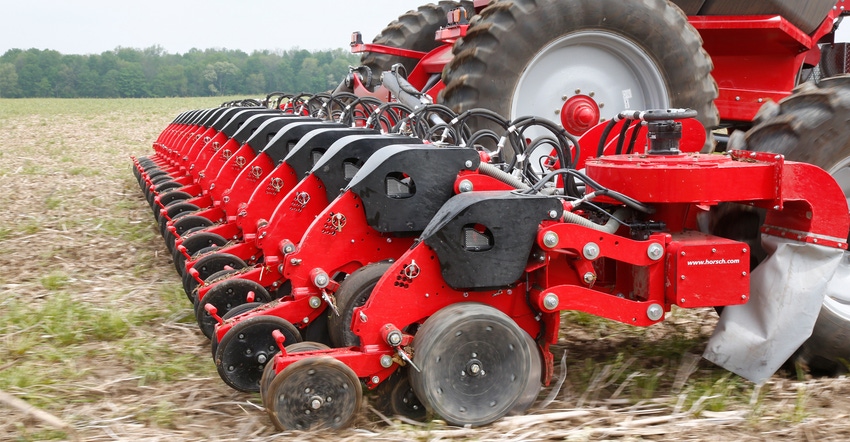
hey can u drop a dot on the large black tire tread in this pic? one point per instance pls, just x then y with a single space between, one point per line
413 30
500 42
811 125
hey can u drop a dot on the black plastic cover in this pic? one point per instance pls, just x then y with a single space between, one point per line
252 124
403 187
206 117
288 137
222 118
336 165
483 239
230 126
316 143
269 129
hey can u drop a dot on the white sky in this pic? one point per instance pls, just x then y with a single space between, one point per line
95 26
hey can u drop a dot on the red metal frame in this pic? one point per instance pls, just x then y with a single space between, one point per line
354 245
628 280
756 58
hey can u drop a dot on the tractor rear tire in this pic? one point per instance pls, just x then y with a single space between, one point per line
811 126
529 57
413 30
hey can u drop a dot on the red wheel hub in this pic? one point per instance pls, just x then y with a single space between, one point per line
579 114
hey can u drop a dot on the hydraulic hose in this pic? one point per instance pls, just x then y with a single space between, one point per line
493 171
610 226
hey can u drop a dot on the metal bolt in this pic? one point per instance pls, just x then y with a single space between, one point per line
578 91
744 250
375 379
683 253
743 273
315 302
474 369
289 248
564 97
744 297
655 251
550 239
682 300
551 301
468 164
306 320
589 278
465 186
713 250
553 214
557 111
683 277
321 280
654 312
590 251
261 358
315 402
386 361
394 338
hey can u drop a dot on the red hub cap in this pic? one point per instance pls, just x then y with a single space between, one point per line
579 114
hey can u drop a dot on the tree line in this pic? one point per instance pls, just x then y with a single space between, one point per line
153 72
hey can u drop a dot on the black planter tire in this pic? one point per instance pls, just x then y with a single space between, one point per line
353 293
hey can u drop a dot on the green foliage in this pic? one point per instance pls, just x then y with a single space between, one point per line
152 72
54 280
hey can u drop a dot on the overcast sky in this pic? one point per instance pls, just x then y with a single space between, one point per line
95 26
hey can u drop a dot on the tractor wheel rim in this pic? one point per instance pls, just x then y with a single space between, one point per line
839 303
621 76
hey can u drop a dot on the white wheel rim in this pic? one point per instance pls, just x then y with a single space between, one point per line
617 72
